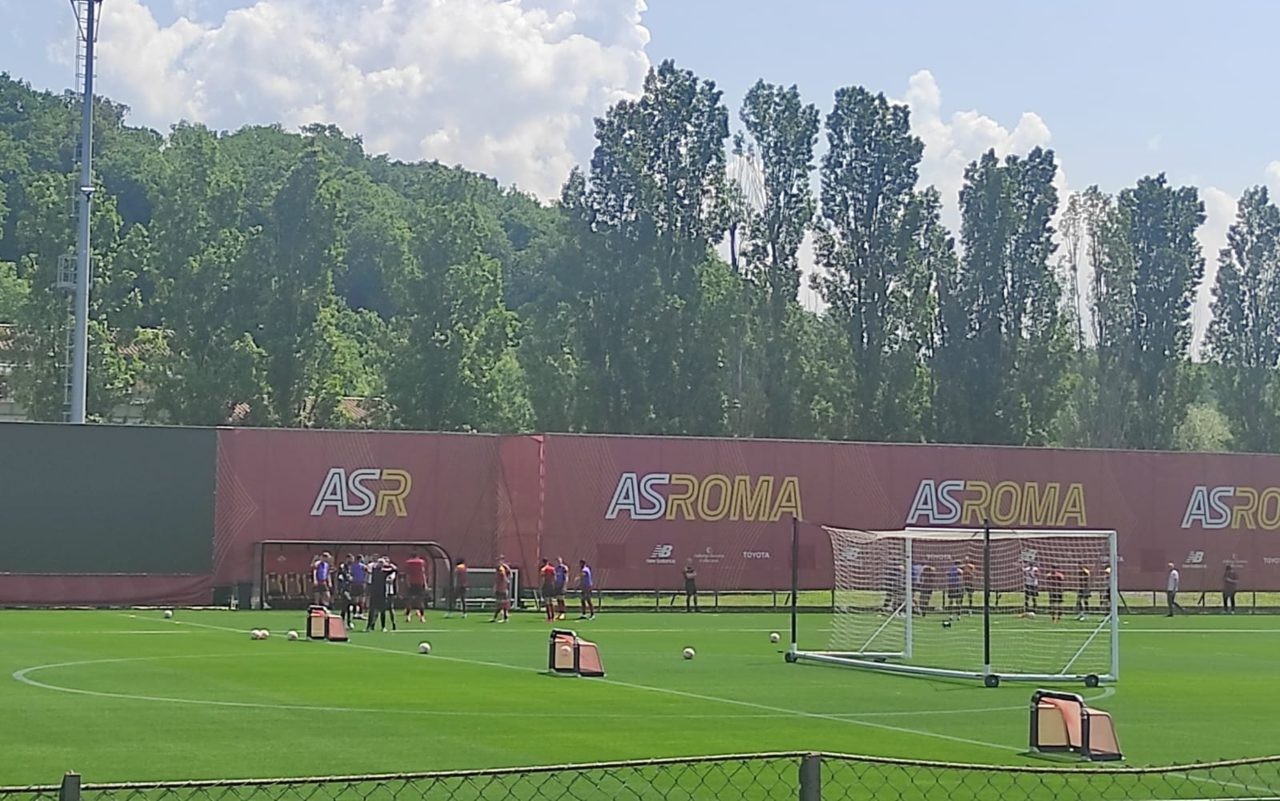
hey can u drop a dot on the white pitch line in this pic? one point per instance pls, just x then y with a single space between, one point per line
783 711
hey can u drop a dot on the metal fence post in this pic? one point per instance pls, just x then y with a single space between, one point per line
70 789
811 777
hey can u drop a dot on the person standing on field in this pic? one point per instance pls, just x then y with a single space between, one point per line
586 586
1171 590
459 597
416 570
1230 581
690 586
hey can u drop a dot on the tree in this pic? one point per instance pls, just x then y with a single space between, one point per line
868 245
205 295
452 364
783 132
1244 334
642 227
1004 343
1151 289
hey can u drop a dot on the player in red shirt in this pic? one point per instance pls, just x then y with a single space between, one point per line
416 571
547 572
459 597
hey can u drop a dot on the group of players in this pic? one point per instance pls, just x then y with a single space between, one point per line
368 587
962 581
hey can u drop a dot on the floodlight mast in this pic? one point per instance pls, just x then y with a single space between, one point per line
88 33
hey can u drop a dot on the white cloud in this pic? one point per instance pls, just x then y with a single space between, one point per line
952 141
1271 176
508 88
1154 143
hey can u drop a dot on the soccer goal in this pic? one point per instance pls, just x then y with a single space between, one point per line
989 604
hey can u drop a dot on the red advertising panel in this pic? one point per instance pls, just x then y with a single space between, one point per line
641 507
352 487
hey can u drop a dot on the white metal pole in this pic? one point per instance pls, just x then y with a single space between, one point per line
80 345
910 606
1115 608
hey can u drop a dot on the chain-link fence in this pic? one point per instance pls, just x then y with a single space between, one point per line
753 777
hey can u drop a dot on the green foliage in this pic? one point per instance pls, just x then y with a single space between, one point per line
1004 343
271 277
1244 336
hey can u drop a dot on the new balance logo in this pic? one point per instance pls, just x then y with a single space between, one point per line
661 555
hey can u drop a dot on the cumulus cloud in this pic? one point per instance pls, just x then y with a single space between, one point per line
952 141
509 88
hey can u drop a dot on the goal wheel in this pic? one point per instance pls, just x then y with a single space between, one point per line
991 680
790 657
1091 680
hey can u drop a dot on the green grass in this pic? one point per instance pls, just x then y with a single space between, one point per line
139 697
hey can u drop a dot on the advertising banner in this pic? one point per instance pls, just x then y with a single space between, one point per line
641 508
352 486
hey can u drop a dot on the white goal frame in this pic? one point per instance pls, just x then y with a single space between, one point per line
898 661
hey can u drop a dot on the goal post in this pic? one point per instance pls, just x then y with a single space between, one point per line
985 603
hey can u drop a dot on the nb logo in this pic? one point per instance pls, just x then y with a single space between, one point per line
662 552
1195 558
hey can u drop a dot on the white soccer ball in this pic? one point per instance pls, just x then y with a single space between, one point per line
168 613
256 634
688 653
1031 615
424 647
775 637
265 634
292 635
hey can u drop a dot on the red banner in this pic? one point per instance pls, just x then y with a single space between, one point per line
641 507
352 487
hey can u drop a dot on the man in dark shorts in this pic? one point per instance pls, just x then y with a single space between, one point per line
690 586
501 592
415 570
1230 582
459 597
586 588
1084 578
547 594
1055 582
382 594
342 598
969 572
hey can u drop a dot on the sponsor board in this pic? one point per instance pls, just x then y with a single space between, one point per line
684 496
349 493
663 554
1031 504
708 556
1232 507
756 555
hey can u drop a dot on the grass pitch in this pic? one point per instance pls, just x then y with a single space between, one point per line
131 696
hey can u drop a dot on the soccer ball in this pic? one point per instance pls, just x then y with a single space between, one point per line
265 634
292 635
1031 615
256 634
424 647
775 637
566 651
168 613
946 624
688 653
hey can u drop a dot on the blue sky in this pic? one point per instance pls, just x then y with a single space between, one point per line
1119 90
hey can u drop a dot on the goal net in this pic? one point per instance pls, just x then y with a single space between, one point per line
986 603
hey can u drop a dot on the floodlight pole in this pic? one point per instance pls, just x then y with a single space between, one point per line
80 342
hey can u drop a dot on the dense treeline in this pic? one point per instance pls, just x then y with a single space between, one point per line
269 278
